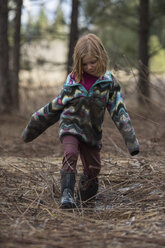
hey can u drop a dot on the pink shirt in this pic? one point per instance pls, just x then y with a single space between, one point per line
89 80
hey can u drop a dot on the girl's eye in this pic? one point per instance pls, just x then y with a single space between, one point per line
91 62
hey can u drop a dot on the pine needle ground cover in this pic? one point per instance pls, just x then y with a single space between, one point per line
128 211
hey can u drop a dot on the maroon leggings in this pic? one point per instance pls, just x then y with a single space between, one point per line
90 156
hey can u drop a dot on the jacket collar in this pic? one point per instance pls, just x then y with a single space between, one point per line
106 78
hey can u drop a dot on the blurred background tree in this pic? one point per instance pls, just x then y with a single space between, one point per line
74 33
15 55
5 97
59 23
10 26
41 25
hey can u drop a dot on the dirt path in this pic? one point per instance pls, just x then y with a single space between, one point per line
129 208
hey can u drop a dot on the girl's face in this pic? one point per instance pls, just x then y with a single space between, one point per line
90 65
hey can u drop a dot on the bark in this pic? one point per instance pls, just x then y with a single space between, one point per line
5 97
73 37
144 26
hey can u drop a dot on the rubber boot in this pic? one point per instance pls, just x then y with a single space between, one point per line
87 188
67 189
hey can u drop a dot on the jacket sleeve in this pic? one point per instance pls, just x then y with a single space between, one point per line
120 116
44 118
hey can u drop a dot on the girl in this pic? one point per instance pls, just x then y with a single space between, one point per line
89 90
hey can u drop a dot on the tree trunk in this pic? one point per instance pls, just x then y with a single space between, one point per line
5 97
144 87
16 56
73 37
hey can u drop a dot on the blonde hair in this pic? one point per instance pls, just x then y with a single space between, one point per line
89 44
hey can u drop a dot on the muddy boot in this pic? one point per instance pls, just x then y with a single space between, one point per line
67 189
87 188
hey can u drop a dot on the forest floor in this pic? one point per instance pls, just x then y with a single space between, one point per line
128 212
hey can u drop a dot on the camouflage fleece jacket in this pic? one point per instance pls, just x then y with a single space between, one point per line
81 113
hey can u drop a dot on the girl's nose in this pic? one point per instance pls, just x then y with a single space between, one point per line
89 66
